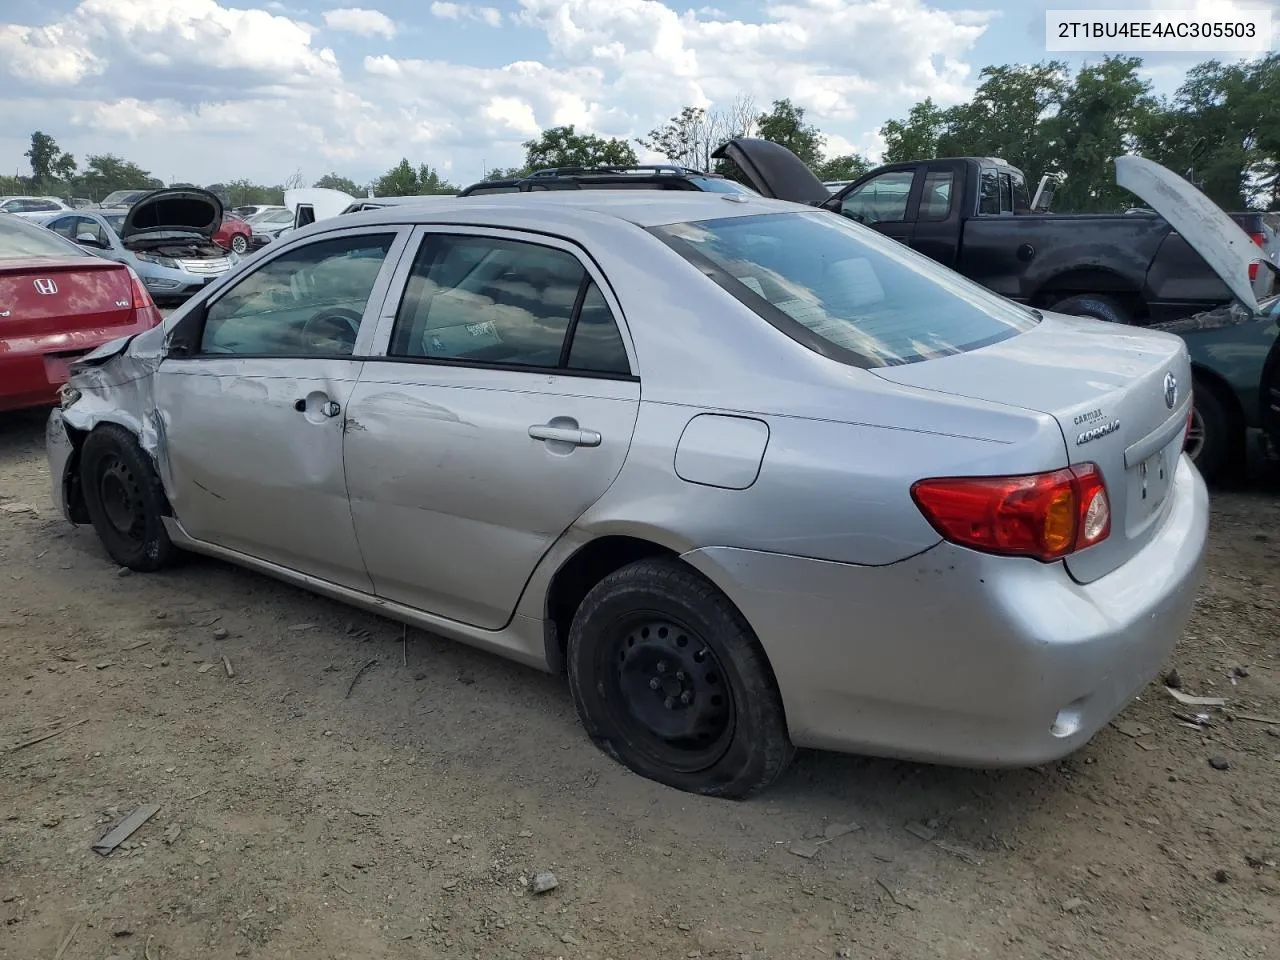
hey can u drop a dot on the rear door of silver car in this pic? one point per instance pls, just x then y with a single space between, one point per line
501 408
252 397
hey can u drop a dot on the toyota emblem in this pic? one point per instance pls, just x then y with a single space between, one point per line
1170 390
45 286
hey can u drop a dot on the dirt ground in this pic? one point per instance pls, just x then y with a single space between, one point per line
303 817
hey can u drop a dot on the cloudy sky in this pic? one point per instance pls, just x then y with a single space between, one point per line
209 90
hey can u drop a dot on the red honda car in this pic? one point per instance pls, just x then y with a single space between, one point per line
234 234
58 302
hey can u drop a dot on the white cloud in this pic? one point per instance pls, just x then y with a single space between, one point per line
360 21
207 92
466 11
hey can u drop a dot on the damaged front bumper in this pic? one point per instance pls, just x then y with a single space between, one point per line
60 450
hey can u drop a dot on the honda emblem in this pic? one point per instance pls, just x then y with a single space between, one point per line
45 286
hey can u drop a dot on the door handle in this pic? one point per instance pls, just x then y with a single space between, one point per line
579 438
330 408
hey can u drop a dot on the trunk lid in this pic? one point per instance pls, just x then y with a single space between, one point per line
1120 395
774 170
1202 223
42 296
180 212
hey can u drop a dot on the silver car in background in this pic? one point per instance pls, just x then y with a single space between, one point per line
175 259
753 475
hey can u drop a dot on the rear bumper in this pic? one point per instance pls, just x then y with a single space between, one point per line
962 658
33 368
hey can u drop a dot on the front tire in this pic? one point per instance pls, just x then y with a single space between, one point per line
1095 306
1214 442
124 499
239 244
669 679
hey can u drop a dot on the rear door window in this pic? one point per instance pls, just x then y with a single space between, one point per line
935 198
508 303
848 293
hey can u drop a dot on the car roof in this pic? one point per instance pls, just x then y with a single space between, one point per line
572 207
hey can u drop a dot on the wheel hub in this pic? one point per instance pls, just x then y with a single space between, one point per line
672 687
121 499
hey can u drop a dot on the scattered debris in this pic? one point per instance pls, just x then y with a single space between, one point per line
361 812
1221 876
893 896
450 884
923 831
66 941
1220 763
1194 720
466 679
48 736
126 829
959 852
1258 862
104 664
808 849
1239 671
205 668
171 834
834 831
17 508
220 633
526 834
146 948
1191 701
369 664
1173 679
1074 905
1253 718
51 821
136 644
1131 728
544 882
300 627
123 572
226 665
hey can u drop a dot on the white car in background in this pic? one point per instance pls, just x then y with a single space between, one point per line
31 206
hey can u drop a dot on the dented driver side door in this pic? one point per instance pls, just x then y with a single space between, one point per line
252 399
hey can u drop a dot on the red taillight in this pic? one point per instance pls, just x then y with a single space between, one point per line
1045 515
1253 271
141 295
1259 238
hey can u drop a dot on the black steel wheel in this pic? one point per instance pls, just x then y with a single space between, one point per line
669 679
124 499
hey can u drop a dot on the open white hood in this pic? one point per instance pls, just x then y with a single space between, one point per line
1202 223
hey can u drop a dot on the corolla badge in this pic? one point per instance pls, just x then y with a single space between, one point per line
1101 430
1170 390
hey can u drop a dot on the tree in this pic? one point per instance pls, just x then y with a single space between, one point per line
506 173
692 136
849 167
48 162
785 124
916 137
243 193
106 172
564 147
331 181
403 180
1098 120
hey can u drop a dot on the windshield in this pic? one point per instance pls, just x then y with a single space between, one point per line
123 197
274 216
115 221
846 291
21 239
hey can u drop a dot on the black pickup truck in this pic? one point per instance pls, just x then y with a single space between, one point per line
974 215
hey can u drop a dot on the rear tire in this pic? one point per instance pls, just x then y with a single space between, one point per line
239 244
1093 305
125 500
1215 442
669 679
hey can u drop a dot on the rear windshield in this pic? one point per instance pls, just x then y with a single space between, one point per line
845 290
21 239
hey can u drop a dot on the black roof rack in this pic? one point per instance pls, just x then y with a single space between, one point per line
661 175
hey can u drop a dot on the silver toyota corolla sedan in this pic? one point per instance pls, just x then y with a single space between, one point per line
752 475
